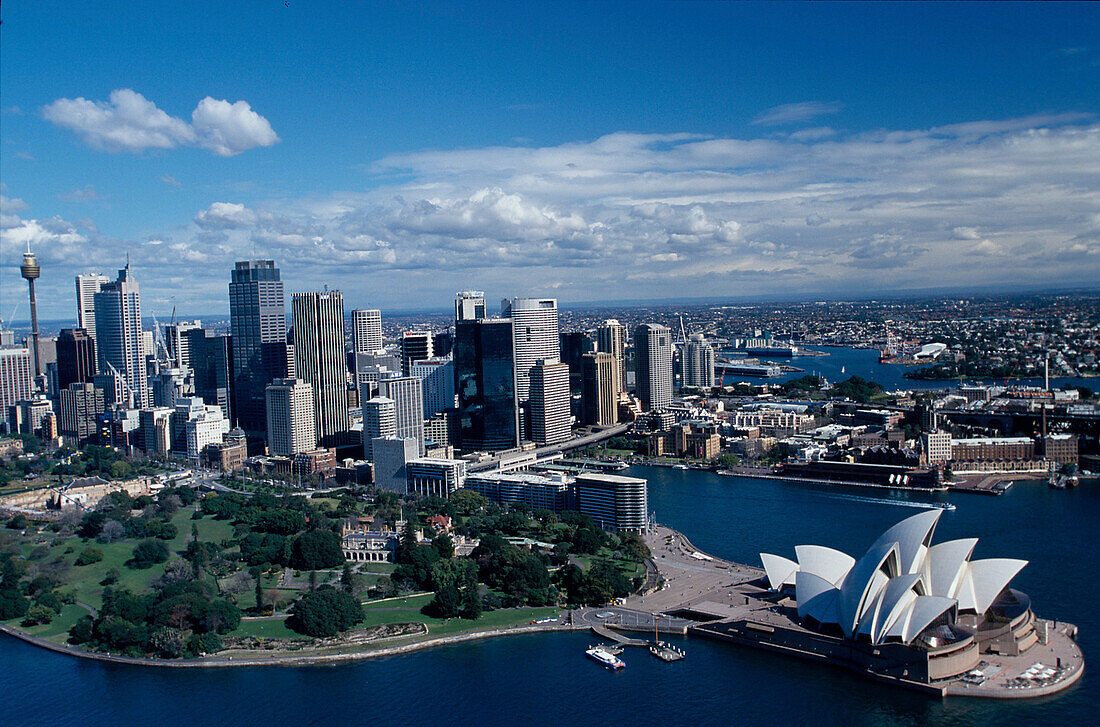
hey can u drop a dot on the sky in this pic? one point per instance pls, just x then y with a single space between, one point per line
587 151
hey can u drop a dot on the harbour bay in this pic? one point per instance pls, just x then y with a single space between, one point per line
545 679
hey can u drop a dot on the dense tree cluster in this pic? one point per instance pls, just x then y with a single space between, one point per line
857 389
325 612
180 618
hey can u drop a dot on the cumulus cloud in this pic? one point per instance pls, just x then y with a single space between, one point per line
129 122
225 216
794 113
632 215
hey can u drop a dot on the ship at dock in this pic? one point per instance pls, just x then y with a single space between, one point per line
603 656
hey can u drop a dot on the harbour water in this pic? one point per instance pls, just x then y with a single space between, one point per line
843 362
545 679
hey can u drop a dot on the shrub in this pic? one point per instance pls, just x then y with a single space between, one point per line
89 556
147 553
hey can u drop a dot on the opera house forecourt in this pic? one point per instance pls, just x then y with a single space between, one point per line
907 611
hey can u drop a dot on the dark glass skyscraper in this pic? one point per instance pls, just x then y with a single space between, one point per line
257 311
485 381
211 359
75 357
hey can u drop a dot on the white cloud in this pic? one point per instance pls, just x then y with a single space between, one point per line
793 113
225 216
647 216
227 129
129 122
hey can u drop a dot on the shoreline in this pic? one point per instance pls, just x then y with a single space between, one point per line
218 662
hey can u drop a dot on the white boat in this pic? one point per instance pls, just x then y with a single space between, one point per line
680 467
604 657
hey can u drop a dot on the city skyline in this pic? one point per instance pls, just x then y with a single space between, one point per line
739 168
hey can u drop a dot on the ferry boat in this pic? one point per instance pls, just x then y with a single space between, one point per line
604 657
680 467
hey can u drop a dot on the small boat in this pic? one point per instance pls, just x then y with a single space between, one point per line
601 655
943 505
680 467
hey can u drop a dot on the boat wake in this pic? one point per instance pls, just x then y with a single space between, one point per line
899 503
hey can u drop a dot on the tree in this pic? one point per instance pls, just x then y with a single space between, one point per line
120 469
316 549
347 580
446 603
471 600
259 589
147 553
325 612
38 614
443 545
313 580
111 531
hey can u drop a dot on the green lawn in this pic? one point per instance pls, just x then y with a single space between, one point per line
271 628
210 530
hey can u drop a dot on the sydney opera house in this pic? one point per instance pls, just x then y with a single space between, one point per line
907 610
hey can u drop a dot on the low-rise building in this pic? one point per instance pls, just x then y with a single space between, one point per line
434 476
318 461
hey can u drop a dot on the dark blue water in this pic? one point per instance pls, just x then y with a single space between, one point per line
864 362
545 680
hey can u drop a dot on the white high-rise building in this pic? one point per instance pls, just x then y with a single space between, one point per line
87 285
291 428
534 335
469 305
209 427
379 421
366 330
653 365
178 342
120 340
549 403
15 377
391 455
698 363
611 338
437 378
408 400
319 359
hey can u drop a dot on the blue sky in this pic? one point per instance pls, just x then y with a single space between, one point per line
402 151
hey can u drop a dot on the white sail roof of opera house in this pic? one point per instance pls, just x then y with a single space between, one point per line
898 587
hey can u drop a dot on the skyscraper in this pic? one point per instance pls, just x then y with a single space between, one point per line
15 377
177 340
366 330
257 313
319 360
415 346
611 338
211 361
485 384
81 403
437 377
549 402
75 357
698 362
119 336
574 345
290 420
469 305
408 400
599 395
535 336
87 285
379 421
653 365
